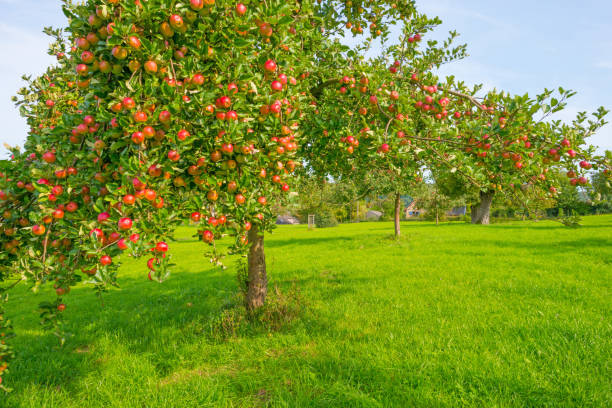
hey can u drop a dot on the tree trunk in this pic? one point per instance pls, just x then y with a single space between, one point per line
258 279
437 217
398 210
481 213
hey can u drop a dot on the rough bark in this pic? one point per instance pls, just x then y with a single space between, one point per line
481 213
398 210
257 278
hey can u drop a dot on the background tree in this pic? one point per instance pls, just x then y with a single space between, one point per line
435 202
600 181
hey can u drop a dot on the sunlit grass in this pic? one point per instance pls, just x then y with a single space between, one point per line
512 314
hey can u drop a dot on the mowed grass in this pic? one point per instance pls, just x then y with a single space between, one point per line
515 314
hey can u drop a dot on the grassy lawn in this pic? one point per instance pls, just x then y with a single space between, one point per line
515 314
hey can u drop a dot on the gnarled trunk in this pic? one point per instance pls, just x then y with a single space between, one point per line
398 211
481 213
257 278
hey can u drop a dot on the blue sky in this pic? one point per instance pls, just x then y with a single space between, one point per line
518 45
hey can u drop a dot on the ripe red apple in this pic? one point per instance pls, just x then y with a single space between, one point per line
49 157
150 66
276 86
176 21
103 216
161 247
165 116
72 207
270 65
38 229
183 134
227 148
138 137
174 155
196 4
224 102
122 244
151 264
106 260
134 42
241 9
208 236
125 224
150 194
196 217
140 117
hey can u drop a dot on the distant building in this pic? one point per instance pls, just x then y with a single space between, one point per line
373 215
412 210
287 220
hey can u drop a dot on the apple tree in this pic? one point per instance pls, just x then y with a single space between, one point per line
511 145
160 112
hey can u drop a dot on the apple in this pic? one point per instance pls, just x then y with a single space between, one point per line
161 247
49 157
134 42
270 65
174 155
138 137
212 195
165 116
183 134
105 260
38 229
208 236
150 194
140 117
125 224
276 86
196 5
241 9
227 148
103 217
176 21
150 66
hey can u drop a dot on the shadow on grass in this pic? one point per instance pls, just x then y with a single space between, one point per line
546 247
540 226
143 315
276 243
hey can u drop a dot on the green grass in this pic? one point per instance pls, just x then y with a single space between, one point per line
515 314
